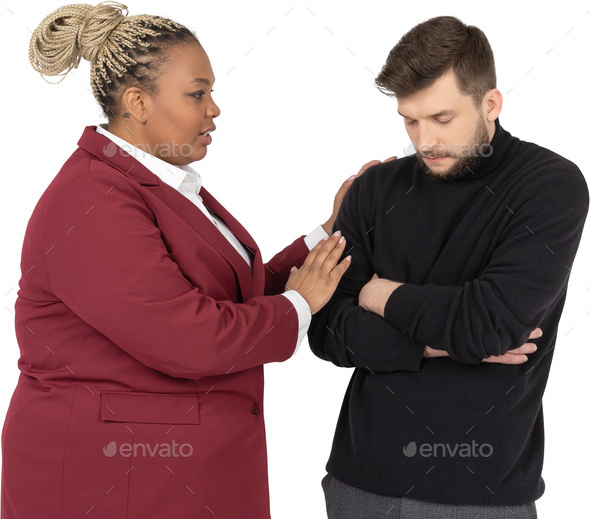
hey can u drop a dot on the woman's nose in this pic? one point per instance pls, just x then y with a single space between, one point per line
214 110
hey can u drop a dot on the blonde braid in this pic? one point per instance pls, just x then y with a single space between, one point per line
98 34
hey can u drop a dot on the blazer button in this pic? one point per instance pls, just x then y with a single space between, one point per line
255 409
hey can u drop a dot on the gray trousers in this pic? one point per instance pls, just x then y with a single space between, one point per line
346 502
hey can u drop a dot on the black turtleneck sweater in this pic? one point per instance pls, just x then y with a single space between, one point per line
485 260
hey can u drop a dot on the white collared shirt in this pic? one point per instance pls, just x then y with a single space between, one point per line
188 182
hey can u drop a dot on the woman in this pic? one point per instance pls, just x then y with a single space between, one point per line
145 313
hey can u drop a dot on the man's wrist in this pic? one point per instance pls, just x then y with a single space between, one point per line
376 293
389 287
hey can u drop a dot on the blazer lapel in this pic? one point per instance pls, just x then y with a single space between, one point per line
256 273
251 280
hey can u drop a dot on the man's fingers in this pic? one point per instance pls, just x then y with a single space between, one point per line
526 348
507 358
536 333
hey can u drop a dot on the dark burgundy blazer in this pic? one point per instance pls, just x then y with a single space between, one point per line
142 334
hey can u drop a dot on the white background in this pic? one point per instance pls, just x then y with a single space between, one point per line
299 114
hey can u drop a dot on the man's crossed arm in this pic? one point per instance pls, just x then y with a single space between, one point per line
375 294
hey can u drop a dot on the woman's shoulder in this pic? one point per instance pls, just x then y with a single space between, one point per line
83 172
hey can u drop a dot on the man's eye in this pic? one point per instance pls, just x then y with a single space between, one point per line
410 123
444 122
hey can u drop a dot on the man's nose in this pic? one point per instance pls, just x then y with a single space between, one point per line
427 141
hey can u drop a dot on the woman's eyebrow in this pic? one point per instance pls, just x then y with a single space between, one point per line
200 80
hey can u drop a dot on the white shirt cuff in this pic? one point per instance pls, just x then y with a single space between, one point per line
303 314
312 239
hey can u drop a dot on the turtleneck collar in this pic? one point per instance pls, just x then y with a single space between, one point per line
499 150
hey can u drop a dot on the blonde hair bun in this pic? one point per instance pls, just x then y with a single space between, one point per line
122 50
72 32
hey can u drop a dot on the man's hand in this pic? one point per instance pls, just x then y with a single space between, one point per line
374 295
516 356
344 189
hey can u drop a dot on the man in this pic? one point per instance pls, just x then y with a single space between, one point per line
460 253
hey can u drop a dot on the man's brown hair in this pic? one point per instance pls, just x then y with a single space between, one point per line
430 49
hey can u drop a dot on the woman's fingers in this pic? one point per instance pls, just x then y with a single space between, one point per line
311 256
338 271
317 256
367 166
328 259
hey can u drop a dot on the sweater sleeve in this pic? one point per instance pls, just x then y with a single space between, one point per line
529 267
343 332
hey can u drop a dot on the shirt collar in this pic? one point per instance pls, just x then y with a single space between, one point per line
173 175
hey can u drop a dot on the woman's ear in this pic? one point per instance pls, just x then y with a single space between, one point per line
133 102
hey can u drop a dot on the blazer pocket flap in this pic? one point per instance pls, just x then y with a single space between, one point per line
131 406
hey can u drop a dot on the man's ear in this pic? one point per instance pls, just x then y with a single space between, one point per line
491 104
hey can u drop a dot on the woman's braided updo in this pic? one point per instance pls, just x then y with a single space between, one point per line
123 51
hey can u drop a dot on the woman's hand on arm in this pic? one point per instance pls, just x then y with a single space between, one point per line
317 279
107 262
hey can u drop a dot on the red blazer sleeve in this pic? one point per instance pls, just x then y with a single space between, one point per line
277 270
106 260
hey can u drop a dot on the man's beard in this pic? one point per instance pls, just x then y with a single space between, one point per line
463 164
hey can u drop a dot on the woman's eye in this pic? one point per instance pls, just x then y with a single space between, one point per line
199 95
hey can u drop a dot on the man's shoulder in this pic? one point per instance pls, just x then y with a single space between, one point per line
387 174
546 165
550 178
